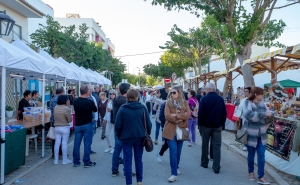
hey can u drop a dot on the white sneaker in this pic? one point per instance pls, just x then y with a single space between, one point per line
178 172
108 150
55 162
112 151
67 161
189 144
159 158
245 149
172 178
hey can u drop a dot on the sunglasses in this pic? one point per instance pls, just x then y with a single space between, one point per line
174 92
111 94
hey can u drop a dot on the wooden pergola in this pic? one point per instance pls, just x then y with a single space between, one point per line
273 62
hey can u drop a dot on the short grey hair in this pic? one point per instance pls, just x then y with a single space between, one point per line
84 89
211 86
96 86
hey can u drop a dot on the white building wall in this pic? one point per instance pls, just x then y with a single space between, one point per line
35 22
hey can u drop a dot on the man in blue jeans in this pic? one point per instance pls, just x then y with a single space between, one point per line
117 103
84 109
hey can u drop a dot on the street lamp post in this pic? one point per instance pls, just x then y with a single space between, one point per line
6 20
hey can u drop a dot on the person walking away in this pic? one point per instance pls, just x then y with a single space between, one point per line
34 99
198 95
22 104
162 119
211 119
144 96
256 112
131 133
161 98
117 103
53 103
243 122
192 122
62 116
177 113
107 121
70 96
84 109
149 99
95 114
102 110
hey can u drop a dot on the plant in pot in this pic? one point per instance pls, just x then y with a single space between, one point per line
9 111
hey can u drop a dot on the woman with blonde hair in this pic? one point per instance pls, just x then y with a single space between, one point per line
107 121
177 113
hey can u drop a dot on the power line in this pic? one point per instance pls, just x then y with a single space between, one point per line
140 54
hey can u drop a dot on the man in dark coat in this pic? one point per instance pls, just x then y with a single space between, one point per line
198 95
117 103
211 119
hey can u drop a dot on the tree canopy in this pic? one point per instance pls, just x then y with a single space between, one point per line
245 27
65 42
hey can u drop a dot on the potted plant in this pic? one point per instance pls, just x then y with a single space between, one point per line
9 111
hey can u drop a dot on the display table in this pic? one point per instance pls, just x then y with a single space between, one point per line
229 124
14 150
283 142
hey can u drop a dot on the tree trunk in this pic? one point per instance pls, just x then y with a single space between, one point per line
246 69
225 88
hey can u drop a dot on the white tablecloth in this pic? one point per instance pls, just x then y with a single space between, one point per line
291 167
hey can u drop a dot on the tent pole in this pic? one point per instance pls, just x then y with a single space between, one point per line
3 123
66 86
79 88
43 117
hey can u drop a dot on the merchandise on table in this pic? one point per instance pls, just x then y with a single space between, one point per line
34 114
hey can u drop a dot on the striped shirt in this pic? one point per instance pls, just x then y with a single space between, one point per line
255 115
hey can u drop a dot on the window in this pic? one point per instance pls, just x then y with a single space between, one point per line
19 90
17 32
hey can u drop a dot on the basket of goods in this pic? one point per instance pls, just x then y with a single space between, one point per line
30 117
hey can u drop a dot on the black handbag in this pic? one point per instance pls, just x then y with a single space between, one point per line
148 144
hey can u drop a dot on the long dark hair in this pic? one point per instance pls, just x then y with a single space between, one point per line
254 92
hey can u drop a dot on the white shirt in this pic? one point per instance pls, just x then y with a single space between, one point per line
149 98
95 114
107 114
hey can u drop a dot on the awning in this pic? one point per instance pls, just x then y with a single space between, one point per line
287 83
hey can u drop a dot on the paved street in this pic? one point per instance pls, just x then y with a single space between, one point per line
233 171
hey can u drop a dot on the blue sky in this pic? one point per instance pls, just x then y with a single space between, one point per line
135 26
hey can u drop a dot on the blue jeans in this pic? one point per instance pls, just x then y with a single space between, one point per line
86 132
260 149
116 154
138 154
175 148
192 129
157 128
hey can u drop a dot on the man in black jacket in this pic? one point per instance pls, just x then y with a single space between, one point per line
211 119
199 96
117 103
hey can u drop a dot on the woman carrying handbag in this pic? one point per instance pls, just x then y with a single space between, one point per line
130 128
255 112
177 113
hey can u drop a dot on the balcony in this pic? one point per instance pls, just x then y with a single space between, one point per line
28 8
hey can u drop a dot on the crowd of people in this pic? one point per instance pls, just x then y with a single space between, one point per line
123 112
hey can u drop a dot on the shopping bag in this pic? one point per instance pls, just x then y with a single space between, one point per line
182 134
51 133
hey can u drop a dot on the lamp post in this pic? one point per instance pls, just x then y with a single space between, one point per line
6 20
139 73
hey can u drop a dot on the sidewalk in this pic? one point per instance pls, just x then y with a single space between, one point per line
228 138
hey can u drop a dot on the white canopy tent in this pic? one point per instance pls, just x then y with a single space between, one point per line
17 64
71 74
102 78
91 79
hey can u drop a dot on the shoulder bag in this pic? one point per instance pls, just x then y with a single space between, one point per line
241 135
148 144
51 133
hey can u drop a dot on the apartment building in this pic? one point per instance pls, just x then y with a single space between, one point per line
94 31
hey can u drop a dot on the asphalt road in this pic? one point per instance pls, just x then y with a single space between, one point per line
233 171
